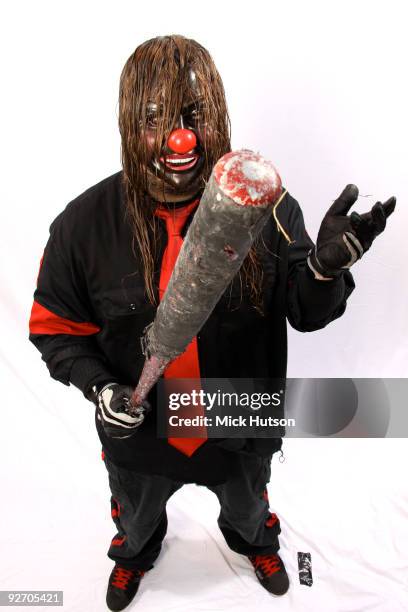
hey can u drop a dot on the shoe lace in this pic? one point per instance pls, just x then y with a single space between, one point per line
121 576
268 564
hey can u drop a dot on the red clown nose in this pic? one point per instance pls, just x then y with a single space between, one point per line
182 140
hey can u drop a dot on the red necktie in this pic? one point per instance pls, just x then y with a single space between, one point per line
187 364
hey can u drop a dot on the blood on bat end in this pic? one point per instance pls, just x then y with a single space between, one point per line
247 178
231 253
135 400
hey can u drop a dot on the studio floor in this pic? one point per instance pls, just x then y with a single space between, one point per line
343 501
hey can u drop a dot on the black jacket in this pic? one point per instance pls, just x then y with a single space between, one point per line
90 311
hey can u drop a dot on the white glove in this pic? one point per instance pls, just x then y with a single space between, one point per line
118 418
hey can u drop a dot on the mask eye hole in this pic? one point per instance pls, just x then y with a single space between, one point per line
195 114
152 117
152 120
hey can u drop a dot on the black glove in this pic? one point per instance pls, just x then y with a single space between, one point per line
342 239
115 413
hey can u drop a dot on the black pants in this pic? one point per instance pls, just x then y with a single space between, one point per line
138 507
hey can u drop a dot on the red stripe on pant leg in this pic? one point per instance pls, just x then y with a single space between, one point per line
118 541
270 522
115 507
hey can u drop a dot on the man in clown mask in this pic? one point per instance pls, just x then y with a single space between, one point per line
104 270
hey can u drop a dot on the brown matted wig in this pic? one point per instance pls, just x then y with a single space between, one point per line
158 72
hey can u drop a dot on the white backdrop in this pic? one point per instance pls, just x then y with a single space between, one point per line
318 87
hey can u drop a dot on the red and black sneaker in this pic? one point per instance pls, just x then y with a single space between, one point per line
271 573
122 587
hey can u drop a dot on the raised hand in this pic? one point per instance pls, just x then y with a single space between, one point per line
343 239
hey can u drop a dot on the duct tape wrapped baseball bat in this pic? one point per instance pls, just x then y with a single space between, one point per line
243 191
